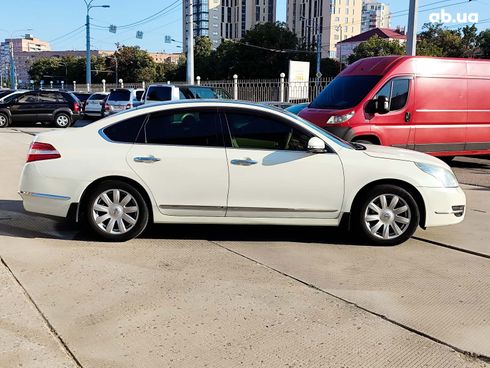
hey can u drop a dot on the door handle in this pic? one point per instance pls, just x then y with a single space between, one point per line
146 159
407 117
244 162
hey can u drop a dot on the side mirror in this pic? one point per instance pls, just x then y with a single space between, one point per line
382 105
316 145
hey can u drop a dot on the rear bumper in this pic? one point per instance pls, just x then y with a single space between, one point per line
444 206
46 194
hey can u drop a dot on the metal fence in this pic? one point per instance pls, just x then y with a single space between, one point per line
257 90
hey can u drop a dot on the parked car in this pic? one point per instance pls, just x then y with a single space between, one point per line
432 105
232 163
82 97
120 99
295 109
169 92
93 105
61 108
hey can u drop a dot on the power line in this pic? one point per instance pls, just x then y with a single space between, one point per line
67 34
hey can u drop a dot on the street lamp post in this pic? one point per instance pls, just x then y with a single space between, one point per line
339 28
88 74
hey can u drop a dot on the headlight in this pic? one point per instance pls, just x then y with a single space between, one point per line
446 177
340 119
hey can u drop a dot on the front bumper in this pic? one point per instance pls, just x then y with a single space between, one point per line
444 206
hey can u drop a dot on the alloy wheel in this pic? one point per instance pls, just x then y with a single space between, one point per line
3 120
62 120
115 211
387 216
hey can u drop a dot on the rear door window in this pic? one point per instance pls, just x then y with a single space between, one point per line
186 127
125 131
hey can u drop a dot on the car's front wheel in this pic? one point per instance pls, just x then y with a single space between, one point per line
116 211
4 120
62 120
387 215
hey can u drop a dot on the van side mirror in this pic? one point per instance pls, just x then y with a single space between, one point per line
382 105
316 145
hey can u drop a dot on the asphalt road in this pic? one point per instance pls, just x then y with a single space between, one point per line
226 296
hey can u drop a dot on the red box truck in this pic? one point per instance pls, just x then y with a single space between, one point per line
440 106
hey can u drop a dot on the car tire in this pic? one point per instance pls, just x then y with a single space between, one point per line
62 120
115 211
4 120
386 215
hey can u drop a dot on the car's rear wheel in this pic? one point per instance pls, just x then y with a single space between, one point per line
387 215
116 211
62 120
4 120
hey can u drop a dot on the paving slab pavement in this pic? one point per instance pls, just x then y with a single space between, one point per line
187 303
473 234
440 292
25 339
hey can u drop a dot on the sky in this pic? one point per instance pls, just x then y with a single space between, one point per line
61 22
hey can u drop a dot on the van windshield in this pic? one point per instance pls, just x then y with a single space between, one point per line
345 92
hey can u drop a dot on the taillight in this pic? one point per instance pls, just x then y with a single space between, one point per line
76 107
42 151
129 106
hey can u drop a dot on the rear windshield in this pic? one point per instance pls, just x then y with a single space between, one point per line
159 94
97 96
345 92
120 95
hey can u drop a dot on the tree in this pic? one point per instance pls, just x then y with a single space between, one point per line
135 65
376 46
484 42
436 40
68 68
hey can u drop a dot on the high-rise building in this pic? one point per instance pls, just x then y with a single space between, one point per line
28 44
227 19
374 15
333 20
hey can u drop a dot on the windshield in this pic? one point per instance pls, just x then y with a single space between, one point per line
120 95
159 94
97 97
345 92
9 98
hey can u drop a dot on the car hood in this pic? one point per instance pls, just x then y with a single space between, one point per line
393 153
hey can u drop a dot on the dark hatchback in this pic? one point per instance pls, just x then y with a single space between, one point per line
60 108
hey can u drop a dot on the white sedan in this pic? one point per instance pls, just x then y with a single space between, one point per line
219 162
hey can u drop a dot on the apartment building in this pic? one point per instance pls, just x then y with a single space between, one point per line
227 19
332 20
374 15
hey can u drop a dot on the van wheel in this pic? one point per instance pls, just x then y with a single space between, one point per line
62 120
387 215
4 120
115 211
